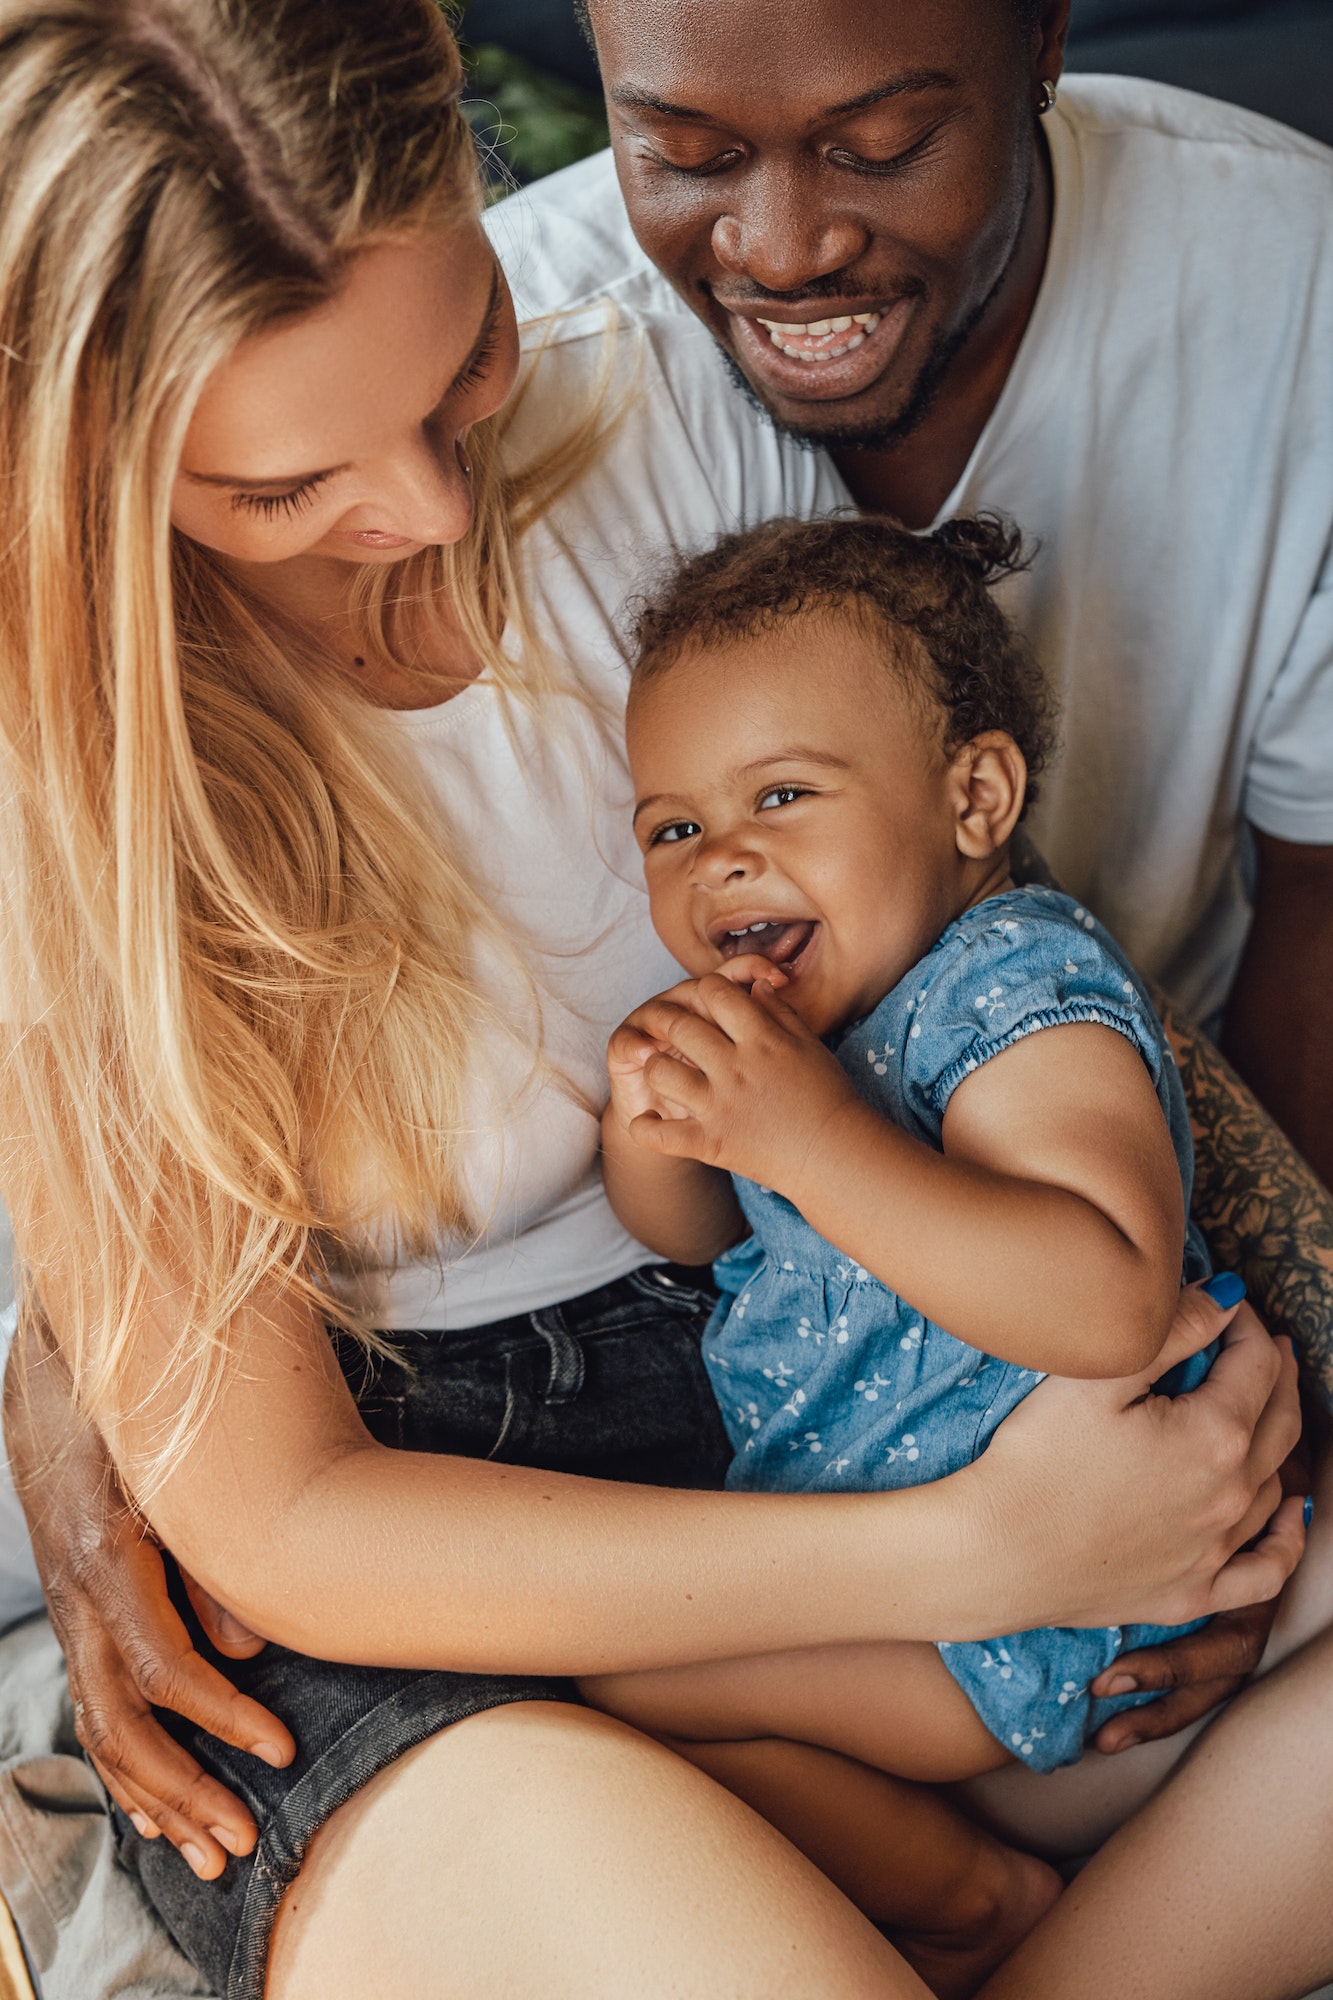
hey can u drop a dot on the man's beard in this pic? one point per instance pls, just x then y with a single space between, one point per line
883 436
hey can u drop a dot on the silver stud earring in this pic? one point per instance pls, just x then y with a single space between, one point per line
1046 101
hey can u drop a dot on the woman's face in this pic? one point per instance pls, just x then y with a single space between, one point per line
343 432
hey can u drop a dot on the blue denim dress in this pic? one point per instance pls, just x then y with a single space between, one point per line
828 1380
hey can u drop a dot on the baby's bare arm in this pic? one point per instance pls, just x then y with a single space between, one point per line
1055 1205
682 1209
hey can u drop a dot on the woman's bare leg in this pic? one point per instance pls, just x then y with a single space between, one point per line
1218 1889
954 1898
543 1850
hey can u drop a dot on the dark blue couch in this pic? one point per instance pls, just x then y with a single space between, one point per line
1274 55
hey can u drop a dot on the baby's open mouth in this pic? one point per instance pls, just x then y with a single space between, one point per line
781 942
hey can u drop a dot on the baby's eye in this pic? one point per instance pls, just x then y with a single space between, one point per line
781 795
679 829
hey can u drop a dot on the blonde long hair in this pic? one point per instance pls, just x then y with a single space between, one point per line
239 963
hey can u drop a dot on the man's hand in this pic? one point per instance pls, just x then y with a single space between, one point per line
743 1083
1194 1675
126 1649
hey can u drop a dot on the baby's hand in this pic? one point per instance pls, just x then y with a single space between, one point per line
631 1047
736 1078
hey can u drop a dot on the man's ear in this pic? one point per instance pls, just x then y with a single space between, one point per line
1053 26
988 780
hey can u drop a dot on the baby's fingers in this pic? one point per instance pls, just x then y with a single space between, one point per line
680 1138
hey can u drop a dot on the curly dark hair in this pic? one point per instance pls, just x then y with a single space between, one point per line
936 588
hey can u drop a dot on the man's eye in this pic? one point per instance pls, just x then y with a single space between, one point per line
694 169
679 829
781 795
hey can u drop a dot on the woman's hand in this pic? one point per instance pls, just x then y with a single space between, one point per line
1196 1674
1105 1504
126 1648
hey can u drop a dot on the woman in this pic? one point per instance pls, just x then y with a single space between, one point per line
310 834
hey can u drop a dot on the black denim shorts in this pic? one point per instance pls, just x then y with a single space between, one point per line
611 1385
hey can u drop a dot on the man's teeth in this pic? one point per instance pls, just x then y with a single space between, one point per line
783 332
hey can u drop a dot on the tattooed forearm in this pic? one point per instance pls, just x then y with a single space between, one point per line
1263 1211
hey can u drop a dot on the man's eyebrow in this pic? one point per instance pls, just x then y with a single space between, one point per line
289 481
909 81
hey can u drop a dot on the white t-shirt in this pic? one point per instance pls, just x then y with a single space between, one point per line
1166 435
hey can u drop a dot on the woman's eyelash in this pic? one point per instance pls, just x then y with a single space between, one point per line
479 366
270 505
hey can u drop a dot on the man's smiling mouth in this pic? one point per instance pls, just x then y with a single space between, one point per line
782 940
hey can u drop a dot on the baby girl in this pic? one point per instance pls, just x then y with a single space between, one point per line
930 1126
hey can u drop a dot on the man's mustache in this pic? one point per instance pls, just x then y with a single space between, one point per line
823 291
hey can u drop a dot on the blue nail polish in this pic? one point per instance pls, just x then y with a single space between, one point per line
1309 1508
1225 1290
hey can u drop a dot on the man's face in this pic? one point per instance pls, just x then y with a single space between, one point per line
836 187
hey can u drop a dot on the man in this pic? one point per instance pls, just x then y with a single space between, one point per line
872 273
1112 323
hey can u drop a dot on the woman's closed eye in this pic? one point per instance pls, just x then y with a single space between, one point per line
289 504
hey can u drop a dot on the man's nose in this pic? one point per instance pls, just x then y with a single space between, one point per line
780 234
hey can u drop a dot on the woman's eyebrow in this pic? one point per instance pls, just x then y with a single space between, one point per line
259 485
234 479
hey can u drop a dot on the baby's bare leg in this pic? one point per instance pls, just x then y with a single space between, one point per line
895 1706
955 1900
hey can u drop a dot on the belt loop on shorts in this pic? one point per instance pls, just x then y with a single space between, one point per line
566 1377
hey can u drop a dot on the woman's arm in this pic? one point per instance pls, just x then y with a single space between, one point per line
1185 1483
290 1515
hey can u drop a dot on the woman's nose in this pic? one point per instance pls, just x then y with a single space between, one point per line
425 494
779 234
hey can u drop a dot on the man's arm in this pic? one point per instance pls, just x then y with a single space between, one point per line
1277 1018
1263 1211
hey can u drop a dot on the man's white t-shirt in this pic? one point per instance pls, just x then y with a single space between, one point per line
1165 438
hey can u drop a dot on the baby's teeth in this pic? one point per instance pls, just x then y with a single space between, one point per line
759 927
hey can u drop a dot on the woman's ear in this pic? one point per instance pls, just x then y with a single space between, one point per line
988 783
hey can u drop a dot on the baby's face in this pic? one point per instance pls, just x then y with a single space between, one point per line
795 800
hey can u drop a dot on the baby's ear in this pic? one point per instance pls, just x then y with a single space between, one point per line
987 783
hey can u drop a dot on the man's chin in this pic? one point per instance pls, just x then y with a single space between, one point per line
856 429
